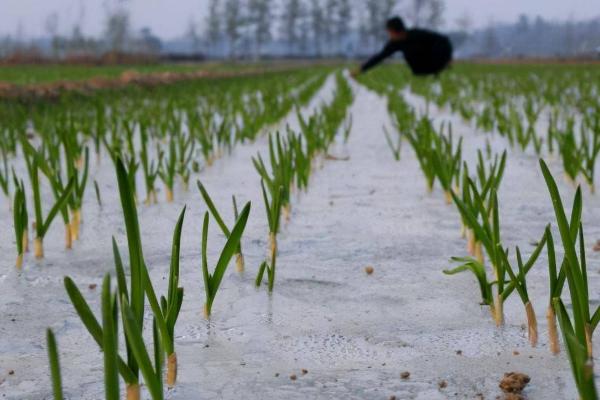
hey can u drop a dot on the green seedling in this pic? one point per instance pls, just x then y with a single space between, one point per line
478 269
79 170
97 191
137 266
347 128
558 276
213 281
20 219
488 178
4 172
167 311
110 341
396 148
152 374
149 168
99 130
422 139
403 115
572 157
108 333
185 146
484 222
557 281
552 132
518 281
167 170
269 268
42 224
128 371
239 257
581 364
281 156
446 161
273 211
57 185
589 152
54 365
575 267
302 161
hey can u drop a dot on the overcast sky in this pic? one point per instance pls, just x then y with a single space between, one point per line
169 18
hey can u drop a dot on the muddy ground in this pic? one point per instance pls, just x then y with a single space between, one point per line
353 333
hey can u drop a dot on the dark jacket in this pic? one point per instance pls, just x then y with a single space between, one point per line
425 52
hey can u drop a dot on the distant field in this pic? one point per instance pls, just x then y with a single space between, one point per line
30 74
27 74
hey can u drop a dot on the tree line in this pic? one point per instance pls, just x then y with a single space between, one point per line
254 28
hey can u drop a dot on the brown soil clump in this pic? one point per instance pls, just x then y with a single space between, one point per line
513 384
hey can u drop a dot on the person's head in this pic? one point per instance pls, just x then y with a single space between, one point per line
395 28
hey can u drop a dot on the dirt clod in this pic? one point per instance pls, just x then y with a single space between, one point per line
293 377
442 384
92 286
405 375
304 371
459 352
392 398
597 246
514 382
11 372
369 270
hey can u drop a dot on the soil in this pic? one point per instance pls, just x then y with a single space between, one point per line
356 333
514 382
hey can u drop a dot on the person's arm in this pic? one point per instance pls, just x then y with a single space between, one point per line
389 49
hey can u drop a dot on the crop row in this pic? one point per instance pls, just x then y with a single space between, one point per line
292 159
474 193
164 136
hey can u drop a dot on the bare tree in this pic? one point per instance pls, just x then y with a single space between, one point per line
77 43
523 23
260 19
213 24
570 40
330 16
290 20
148 42
343 22
363 30
192 35
305 26
373 21
317 25
117 29
378 11
435 15
233 24
464 23
490 44
426 13
387 8
51 27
